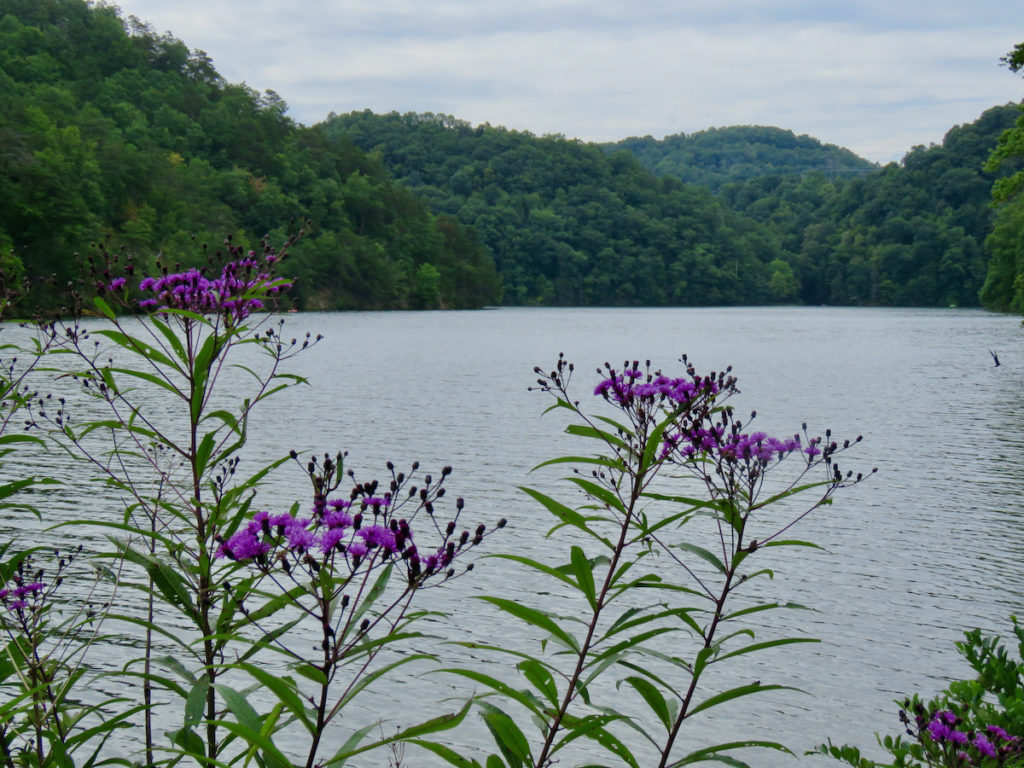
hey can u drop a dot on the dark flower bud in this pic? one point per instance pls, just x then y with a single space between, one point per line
502 523
463 538
469 567
450 529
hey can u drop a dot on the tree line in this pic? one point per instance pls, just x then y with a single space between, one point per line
111 133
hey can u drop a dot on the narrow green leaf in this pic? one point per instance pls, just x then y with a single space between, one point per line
654 699
713 753
766 644
446 753
584 575
535 617
583 430
735 693
541 678
510 740
599 493
103 307
701 553
520 697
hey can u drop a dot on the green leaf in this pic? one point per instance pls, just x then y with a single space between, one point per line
654 699
535 617
520 697
583 430
541 679
767 644
600 493
196 702
510 740
284 689
583 570
566 515
735 693
103 307
135 346
446 753
713 753
703 554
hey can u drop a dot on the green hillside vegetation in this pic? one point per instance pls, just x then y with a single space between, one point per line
719 156
112 133
1004 284
910 234
109 132
568 224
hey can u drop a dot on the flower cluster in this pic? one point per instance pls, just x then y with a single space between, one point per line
236 293
733 445
959 744
633 384
363 529
26 593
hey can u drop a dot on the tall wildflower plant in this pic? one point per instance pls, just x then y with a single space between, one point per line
248 582
655 600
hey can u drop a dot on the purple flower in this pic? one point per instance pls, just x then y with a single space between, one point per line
337 519
938 730
983 745
244 545
235 294
357 549
329 539
999 733
378 536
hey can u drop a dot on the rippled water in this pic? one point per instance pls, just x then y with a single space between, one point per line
930 546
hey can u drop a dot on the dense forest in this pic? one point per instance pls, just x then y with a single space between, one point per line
718 156
569 224
111 133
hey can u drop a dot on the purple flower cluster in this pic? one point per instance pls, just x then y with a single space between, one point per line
632 384
735 446
990 742
333 531
14 598
236 293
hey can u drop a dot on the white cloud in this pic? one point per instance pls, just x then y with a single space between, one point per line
877 77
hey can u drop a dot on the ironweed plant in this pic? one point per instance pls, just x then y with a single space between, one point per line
167 441
654 602
976 723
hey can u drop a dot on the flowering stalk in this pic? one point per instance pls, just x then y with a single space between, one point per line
177 465
336 567
666 431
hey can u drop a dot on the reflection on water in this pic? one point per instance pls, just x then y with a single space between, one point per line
928 547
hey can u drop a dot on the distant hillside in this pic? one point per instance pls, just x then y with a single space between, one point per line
909 234
568 224
110 132
718 156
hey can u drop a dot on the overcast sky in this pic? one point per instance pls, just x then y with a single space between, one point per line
876 76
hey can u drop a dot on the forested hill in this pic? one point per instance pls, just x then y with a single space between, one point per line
109 131
910 234
568 224
718 156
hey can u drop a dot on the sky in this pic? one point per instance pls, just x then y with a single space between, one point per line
875 76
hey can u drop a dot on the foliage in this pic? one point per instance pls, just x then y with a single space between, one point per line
567 224
739 153
659 585
978 722
909 234
112 133
1004 284
226 588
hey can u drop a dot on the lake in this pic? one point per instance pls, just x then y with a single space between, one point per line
928 547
